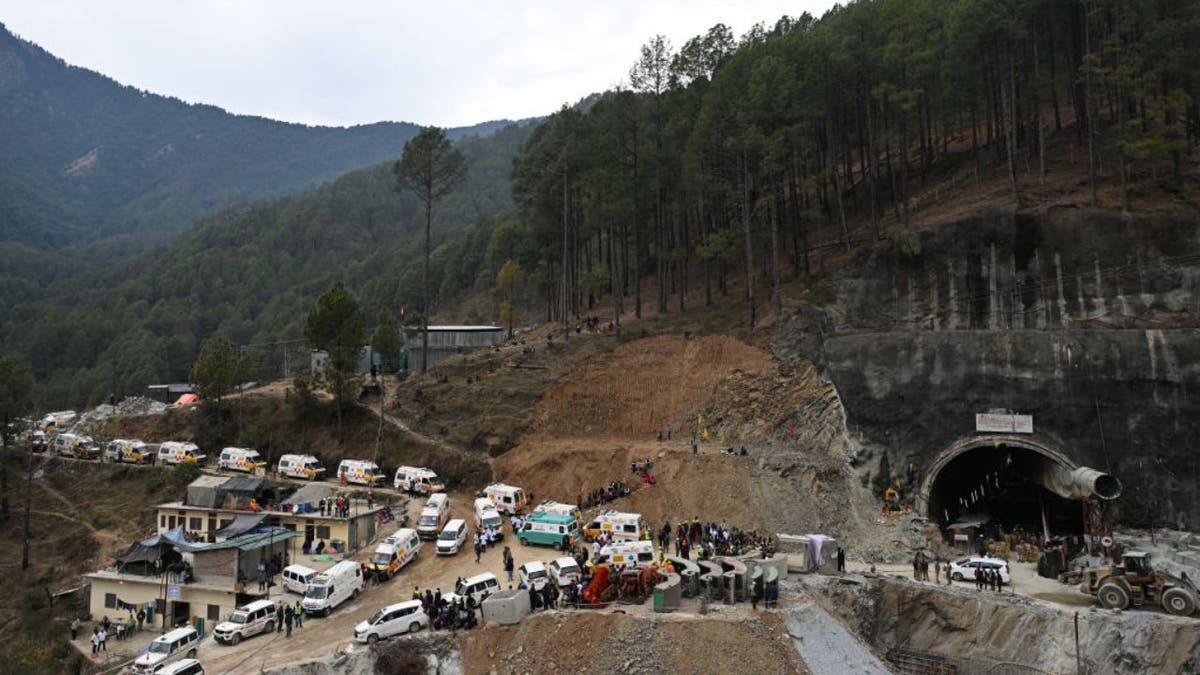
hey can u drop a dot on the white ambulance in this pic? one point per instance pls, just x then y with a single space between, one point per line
626 553
176 452
551 506
394 553
418 480
434 515
131 452
360 472
620 526
332 587
507 498
240 459
301 466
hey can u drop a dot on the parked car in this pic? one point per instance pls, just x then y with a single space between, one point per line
246 621
167 648
403 617
964 570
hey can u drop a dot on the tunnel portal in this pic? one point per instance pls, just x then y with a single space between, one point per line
1013 484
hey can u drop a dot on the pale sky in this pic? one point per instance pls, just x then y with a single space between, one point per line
343 62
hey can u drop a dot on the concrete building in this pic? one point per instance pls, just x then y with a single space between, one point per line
445 341
177 581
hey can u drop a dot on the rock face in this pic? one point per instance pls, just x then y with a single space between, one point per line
976 631
1084 320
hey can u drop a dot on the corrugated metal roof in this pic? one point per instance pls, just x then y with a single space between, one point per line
248 542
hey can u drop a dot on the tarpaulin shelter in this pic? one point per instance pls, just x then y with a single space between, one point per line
212 492
243 523
141 556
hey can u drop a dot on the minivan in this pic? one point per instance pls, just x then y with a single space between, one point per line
404 617
249 620
486 515
296 578
167 648
478 587
549 529
533 575
452 538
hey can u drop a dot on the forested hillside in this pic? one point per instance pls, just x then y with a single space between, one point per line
252 272
86 158
750 155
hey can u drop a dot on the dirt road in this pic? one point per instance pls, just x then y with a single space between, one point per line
321 636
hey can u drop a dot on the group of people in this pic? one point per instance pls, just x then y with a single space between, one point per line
487 538
288 616
713 539
603 495
268 568
339 507
921 562
988 578
444 614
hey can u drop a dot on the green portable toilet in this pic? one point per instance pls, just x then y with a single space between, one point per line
659 601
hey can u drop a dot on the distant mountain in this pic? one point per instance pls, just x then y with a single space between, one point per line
84 159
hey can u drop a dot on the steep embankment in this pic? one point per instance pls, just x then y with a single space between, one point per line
974 630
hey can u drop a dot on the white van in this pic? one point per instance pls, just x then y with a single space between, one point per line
564 571
359 472
620 526
240 459
403 617
626 553
418 480
507 498
478 587
167 648
176 452
80 447
394 553
300 466
533 575
434 515
486 515
332 587
247 621
296 578
131 452
452 538
182 667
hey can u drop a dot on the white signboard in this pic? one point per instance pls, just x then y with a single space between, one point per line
173 591
1006 424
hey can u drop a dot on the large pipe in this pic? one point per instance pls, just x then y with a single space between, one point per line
1079 483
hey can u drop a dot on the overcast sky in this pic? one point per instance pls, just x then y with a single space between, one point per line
343 62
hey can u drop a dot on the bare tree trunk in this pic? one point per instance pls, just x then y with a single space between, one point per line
424 290
565 298
28 504
775 258
1037 116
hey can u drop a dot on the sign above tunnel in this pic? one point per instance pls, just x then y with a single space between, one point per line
1004 424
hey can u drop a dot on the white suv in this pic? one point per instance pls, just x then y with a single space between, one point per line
252 619
964 570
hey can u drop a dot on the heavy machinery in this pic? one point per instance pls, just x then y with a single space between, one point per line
1136 582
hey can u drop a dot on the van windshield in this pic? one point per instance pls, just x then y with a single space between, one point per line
568 569
381 558
375 618
315 592
536 574
490 521
157 647
427 520
238 617
448 535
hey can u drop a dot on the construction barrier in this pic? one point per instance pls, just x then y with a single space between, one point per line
734 577
506 607
689 575
668 595
710 579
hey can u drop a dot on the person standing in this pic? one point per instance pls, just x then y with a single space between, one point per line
947 571
978 579
937 573
287 619
74 628
95 641
280 610
299 610
141 617
841 559
103 639
508 564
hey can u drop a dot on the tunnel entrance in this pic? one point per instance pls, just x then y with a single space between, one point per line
1001 486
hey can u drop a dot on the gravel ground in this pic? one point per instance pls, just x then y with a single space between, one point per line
827 647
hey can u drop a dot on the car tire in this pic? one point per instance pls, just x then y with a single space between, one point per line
524 542
414 627
270 627
235 638
191 653
558 546
372 639
957 576
1113 596
1179 602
